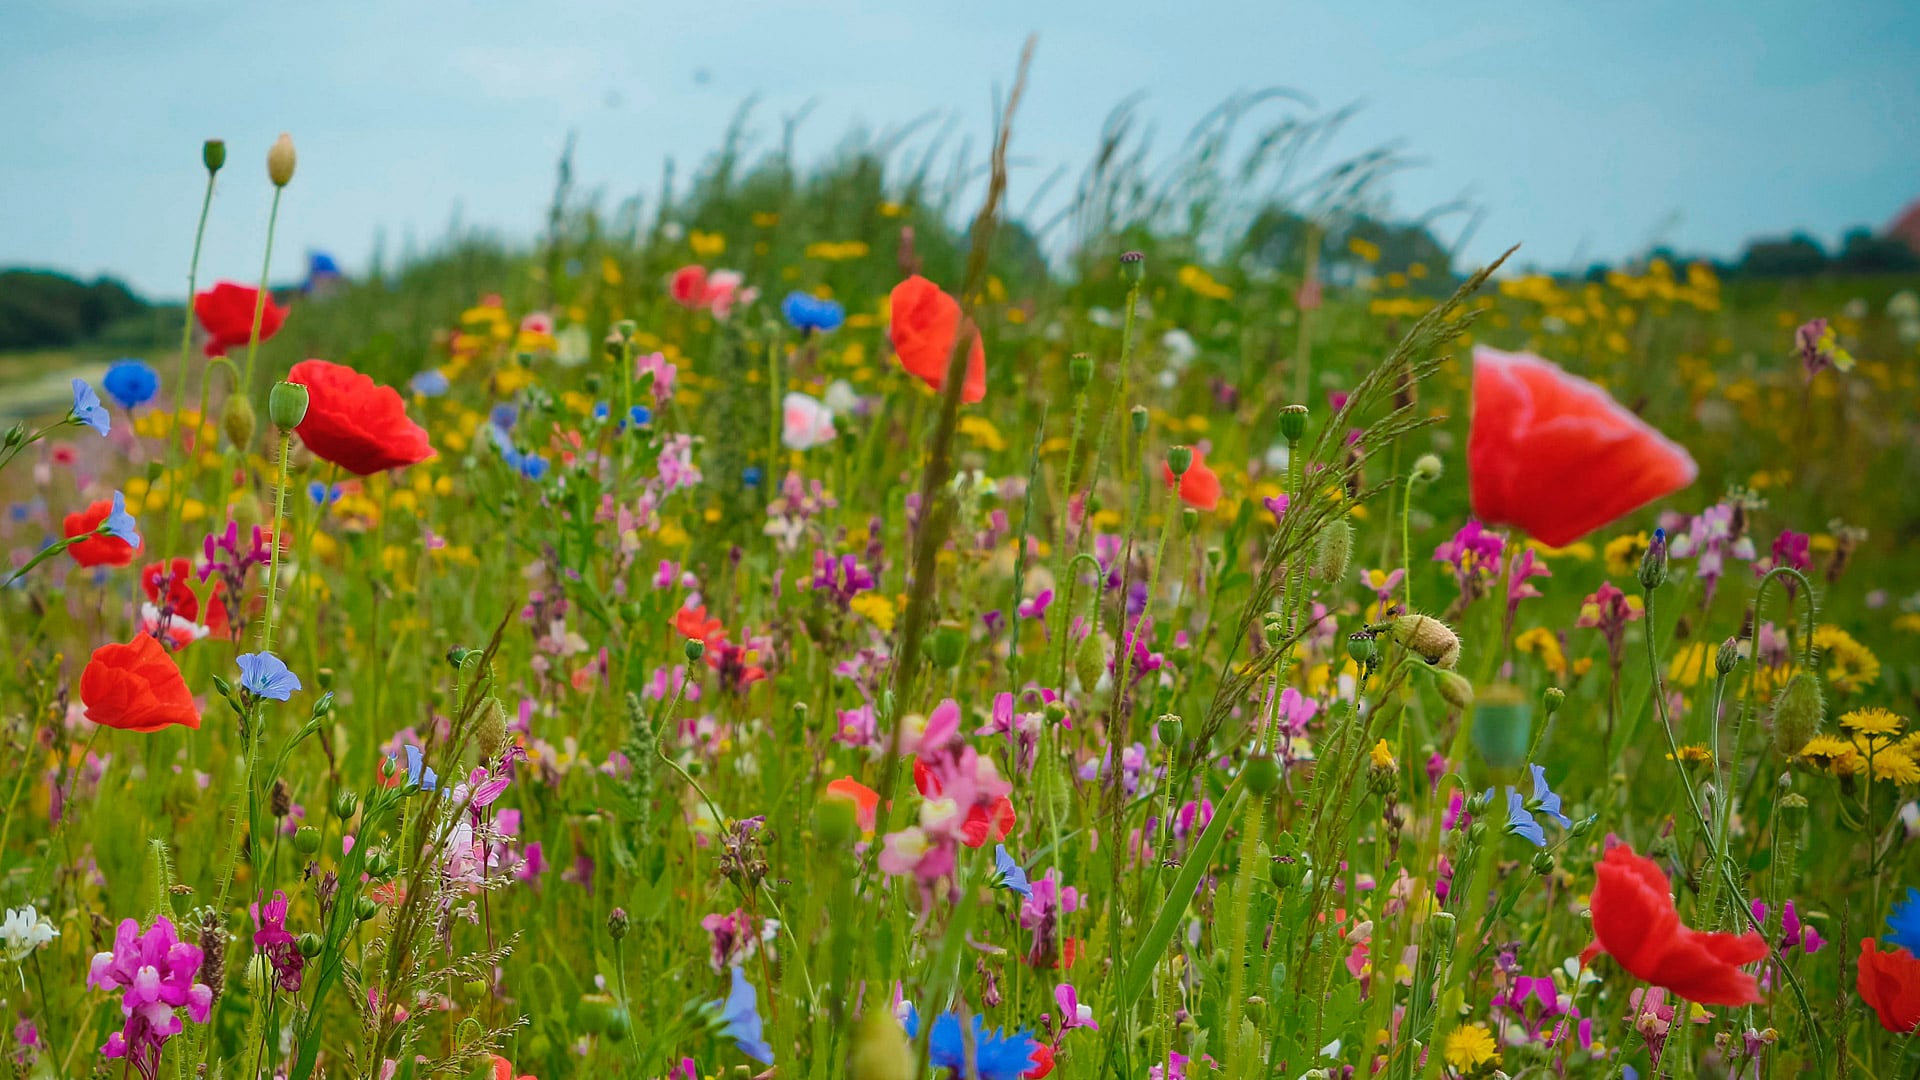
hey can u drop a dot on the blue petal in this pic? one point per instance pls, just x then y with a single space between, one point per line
1520 822
1012 877
87 408
120 524
1549 802
740 1017
1904 922
131 382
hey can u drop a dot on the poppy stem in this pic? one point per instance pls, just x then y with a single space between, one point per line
260 299
273 557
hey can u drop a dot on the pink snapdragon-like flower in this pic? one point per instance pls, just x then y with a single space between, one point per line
155 971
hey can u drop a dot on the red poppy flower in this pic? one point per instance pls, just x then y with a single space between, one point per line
355 422
1636 924
180 595
226 312
1199 486
1890 982
136 687
1040 1063
1556 455
865 800
688 286
925 321
692 622
102 550
983 824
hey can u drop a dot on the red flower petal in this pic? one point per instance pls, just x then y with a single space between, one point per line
136 687
924 323
226 313
1556 455
1636 923
355 422
1199 486
1890 984
100 550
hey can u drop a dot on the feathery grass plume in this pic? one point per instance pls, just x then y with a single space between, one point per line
640 747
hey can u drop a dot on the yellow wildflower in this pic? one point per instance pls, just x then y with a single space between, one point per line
1691 664
705 244
1540 642
1830 752
1895 765
1624 553
1910 622
837 250
1850 665
1369 251
876 609
981 430
1873 723
1693 754
1382 755
1199 281
1470 1046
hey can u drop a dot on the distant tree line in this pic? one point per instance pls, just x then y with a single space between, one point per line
44 309
1861 251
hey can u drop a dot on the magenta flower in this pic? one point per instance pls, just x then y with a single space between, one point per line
272 940
1072 1013
156 971
1473 556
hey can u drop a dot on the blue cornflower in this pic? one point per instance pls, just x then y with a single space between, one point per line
504 416
429 383
131 382
1904 922
266 675
638 416
810 313
418 774
739 1017
87 408
120 524
1548 802
532 466
322 495
751 476
995 1056
1012 877
602 410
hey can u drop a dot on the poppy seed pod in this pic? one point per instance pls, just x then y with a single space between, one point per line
1362 647
1293 422
1334 551
1080 370
1797 713
1133 266
1429 638
287 405
213 154
1262 773
1138 415
280 160
1503 725
1169 730
695 649
1179 460
236 419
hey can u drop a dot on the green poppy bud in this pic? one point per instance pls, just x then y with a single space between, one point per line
1334 550
280 160
1427 468
236 419
1262 773
1653 562
1797 713
948 643
1090 660
306 840
1428 638
287 405
834 820
1455 690
1179 460
213 154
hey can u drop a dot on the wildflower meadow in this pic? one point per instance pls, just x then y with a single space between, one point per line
799 629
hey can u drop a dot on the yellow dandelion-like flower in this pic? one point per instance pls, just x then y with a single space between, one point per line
876 609
1896 766
1470 1046
1850 665
1830 752
1539 642
1199 281
1382 756
1908 623
1873 723
1691 664
1623 553
1693 754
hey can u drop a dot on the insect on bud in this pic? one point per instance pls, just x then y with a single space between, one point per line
287 405
280 160
213 154
1293 422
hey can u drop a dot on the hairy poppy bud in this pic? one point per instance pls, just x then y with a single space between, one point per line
1090 660
1293 422
1334 551
287 405
236 419
1503 725
1428 638
213 154
1179 460
1426 468
1080 370
1653 563
1455 690
1262 773
1797 713
280 159
948 644
491 733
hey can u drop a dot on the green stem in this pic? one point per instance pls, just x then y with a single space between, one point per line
260 300
273 557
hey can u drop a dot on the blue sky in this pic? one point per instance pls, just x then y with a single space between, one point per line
1584 130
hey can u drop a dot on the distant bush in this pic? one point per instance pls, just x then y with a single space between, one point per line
42 309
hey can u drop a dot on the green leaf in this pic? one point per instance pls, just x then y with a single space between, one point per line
1140 969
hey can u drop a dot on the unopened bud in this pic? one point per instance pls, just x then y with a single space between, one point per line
310 945
1726 658
1334 551
1543 863
617 923
306 840
1293 422
1080 370
1262 773
1427 468
1090 660
1552 698
287 405
1653 563
236 419
213 154
1797 713
280 160
1428 638
1179 460
1455 690
344 804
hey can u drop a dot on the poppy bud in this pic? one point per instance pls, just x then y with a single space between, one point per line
1553 697
617 923
1293 422
1428 638
1080 370
213 153
236 419
1456 691
280 160
1169 730
1426 468
1653 563
344 804
310 945
490 735
949 642
1179 460
1792 809
1797 713
287 405
1503 725
1262 773
880 1049
1055 713
1133 266
1090 660
1334 551
1726 658
1283 871
695 649
1139 417
1189 519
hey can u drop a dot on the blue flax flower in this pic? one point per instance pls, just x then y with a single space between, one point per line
429 383
1904 922
809 313
418 774
120 524
1012 877
87 408
739 1017
1549 802
995 1056
1520 820
131 382
266 675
